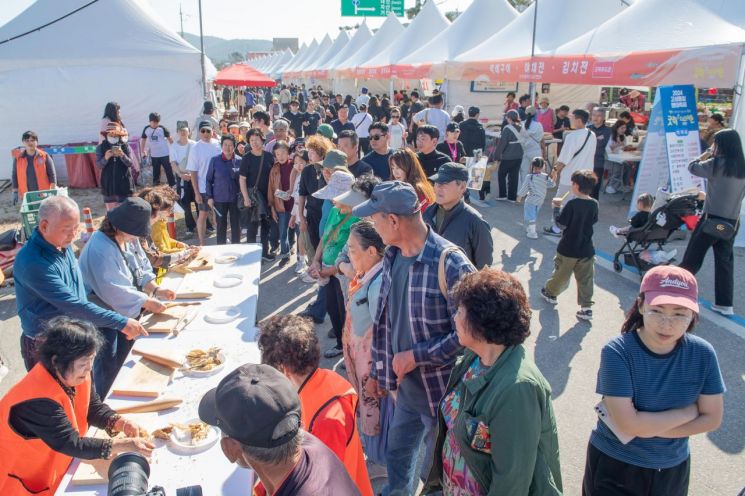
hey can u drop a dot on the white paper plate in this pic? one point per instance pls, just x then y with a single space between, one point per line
227 258
228 280
205 373
222 315
180 441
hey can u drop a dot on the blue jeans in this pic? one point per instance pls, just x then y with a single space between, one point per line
109 359
530 213
408 429
283 219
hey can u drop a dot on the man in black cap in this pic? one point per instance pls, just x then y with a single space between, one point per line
472 133
258 411
413 337
454 220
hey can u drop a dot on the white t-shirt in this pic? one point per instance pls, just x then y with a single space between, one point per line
362 122
435 117
157 142
584 160
199 160
362 99
178 153
396 132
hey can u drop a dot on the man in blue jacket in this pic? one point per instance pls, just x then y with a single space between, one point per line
48 281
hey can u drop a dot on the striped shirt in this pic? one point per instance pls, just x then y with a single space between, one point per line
435 343
655 383
535 187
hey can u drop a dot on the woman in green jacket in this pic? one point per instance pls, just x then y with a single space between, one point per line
497 431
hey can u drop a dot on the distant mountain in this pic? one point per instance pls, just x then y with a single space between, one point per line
219 49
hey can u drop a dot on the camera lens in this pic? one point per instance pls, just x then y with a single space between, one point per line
128 475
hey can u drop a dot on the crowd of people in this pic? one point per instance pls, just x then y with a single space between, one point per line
369 195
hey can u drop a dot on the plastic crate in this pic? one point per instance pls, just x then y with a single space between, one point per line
30 209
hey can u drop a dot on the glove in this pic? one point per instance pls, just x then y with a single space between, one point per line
15 198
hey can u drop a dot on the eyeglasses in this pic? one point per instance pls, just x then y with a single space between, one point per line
204 131
376 137
660 319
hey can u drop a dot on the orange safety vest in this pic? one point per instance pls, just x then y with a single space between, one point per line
319 392
30 466
40 168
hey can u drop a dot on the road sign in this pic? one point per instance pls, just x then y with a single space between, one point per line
372 8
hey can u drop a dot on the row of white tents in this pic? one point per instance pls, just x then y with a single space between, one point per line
694 41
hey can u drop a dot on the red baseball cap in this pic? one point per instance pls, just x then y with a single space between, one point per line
668 284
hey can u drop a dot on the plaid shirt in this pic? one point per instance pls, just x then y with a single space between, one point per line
432 325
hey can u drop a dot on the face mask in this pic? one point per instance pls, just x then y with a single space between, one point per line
112 139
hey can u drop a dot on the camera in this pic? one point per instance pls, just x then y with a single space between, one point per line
129 474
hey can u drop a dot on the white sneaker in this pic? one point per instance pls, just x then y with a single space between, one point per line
669 255
307 279
532 234
727 311
300 266
610 190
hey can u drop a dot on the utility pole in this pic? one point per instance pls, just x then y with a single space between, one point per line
201 49
181 17
531 86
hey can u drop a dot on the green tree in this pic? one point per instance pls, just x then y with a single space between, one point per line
236 57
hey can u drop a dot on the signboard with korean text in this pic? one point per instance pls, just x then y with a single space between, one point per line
672 143
372 8
492 86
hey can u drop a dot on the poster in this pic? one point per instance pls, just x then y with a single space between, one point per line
672 143
476 172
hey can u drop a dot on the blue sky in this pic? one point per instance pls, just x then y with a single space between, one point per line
305 19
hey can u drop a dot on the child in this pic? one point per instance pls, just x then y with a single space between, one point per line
644 207
533 192
300 162
575 253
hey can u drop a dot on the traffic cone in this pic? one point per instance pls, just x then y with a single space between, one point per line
171 225
88 219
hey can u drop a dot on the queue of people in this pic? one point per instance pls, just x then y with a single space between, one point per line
439 390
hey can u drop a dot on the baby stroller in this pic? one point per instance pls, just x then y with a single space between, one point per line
661 224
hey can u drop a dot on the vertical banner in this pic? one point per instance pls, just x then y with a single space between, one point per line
672 143
680 118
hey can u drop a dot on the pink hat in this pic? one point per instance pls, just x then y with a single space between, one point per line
668 284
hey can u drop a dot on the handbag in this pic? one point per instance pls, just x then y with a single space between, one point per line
258 211
718 228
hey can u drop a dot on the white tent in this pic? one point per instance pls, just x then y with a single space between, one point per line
558 22
481 19
318 53
106 51
425 26
278 68
360 37
300 58
339 43
389 31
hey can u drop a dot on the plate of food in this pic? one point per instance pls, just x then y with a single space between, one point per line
204 362
227 258
222 315
228 280
192 436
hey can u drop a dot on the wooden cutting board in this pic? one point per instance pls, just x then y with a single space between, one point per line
195 286
203 261
145 379
169 358
95 472
164 322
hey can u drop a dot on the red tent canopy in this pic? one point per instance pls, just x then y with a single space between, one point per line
243 75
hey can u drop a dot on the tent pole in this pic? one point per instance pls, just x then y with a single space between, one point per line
531 86
201 48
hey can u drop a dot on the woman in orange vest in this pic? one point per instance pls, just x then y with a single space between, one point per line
33 170
44 417
289 344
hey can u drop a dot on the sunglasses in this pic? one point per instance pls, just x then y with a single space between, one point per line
376 137
203 131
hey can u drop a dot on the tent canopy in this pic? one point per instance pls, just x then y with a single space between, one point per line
481 19
243 75
389 31
75 66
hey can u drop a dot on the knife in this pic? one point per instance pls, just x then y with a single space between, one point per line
185 321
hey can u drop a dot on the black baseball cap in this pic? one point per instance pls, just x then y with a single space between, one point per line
450 171
255 404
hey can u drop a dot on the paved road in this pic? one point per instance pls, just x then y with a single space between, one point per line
566 350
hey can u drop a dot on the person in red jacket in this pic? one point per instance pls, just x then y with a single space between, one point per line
329 402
